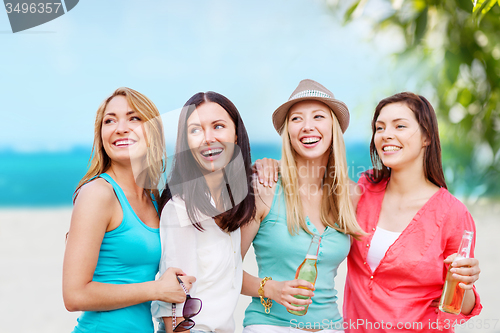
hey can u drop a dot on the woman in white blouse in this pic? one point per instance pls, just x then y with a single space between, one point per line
208 198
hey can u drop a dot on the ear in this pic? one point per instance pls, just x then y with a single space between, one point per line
236 140
426 141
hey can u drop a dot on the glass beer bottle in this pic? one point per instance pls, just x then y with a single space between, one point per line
453 296
308 271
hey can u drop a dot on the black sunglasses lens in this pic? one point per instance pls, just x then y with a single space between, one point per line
192 307
184 325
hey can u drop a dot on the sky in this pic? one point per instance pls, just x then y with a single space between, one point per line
53 77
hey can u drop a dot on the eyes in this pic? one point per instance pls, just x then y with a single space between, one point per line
380 128
297 118
197 129
112 120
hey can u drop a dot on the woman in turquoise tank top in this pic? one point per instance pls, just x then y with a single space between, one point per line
113 246
311 198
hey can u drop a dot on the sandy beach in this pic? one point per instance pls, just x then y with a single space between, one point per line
31 254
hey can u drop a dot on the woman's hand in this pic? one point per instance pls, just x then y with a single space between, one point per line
465 270
267 171
168 288
187 281
283 293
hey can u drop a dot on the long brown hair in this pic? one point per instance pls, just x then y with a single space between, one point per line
187 181
155 156
426 118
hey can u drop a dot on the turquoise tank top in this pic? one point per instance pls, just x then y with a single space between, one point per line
129 254
279 254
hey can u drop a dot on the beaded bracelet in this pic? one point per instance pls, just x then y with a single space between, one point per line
267 303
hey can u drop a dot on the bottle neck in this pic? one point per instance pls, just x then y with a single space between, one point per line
465 245
312 253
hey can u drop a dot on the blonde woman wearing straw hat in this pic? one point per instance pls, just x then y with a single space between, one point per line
310 198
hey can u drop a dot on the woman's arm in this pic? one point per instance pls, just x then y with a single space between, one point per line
95 208
465 270
267 171
279 291
167 321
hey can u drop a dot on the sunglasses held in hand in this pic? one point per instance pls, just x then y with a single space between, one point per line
192 306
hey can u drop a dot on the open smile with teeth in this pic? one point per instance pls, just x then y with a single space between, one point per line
310 140
391 148
127 142
212 152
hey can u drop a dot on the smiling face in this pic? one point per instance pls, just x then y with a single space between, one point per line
398 138
211 136
122 131
310 126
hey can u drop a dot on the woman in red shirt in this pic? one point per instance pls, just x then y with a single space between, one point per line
396 274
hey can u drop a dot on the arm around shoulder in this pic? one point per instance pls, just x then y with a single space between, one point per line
264 196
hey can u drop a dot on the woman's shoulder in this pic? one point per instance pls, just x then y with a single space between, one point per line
264 197
97 189
455 206
96 201
367 182
174 213
174 203
455 216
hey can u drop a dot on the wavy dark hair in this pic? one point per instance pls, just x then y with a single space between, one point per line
426 118
186 178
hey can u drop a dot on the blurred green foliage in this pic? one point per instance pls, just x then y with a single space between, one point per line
458 41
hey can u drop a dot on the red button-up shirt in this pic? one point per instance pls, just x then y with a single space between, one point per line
397 296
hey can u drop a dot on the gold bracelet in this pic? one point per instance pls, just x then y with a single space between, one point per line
267 303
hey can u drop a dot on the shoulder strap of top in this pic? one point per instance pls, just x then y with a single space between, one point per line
118 190
153 199
278 197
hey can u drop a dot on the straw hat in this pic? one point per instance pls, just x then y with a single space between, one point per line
312 90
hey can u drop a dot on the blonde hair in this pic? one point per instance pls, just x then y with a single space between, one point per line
155 140
336 208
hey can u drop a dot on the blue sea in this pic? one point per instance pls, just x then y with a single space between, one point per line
48 179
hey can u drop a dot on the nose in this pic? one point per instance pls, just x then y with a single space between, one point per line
387 134
308 125
122 126
209 136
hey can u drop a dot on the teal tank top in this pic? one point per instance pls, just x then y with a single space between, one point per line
279 254
129 254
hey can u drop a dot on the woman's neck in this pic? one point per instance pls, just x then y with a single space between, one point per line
409 181
311 173
125 177
214 181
